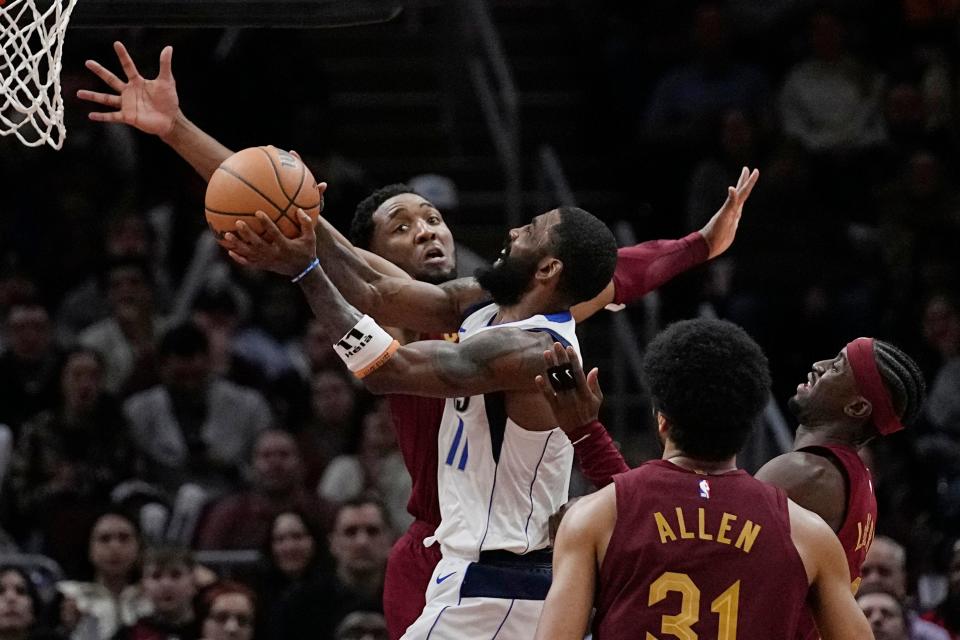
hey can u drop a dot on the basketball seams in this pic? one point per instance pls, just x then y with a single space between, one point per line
276 172
253 188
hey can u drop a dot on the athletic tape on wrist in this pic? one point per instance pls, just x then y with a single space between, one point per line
366 347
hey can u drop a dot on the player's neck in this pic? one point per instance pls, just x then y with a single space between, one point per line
532 303
825 435
673 455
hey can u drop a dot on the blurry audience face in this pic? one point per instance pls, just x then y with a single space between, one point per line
114 546
318 349
885 616
884 569
230 618
924 175
410 232
710 32
362 625
29 332
276 462
16 607
292 545
186 374
941 325
128 290
332 397
80 381
360 540
827 36
128 236
378 435
171 589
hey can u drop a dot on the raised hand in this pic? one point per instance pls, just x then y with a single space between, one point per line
150 105
572 408
271 250
720 231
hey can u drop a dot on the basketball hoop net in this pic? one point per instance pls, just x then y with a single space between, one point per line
31 44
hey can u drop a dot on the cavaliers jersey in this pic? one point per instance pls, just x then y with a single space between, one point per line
416 421
693 555
499 483
859 523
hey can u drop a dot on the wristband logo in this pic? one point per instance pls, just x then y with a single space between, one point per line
362 340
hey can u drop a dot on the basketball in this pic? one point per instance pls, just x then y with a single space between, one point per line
261 179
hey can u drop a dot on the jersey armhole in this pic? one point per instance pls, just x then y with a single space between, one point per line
556 336
835 460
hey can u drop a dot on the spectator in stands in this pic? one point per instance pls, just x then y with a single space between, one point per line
376 468
362 625
293 559
168 582
194 427
690 98
216 313
332 427
832 101
126 339
885 568
29 365
242 521
69 458
114 599
229 612
21 609
885 612
947 613
128 235
360 542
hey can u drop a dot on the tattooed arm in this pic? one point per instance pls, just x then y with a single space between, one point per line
502 360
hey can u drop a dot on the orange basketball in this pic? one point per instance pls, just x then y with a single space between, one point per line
261 179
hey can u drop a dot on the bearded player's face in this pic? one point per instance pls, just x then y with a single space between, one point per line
829 388
410 232
514 271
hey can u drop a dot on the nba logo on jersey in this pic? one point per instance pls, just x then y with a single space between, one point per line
704 489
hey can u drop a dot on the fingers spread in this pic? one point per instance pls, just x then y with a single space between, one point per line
126 61
166 63
106 99
99 116
270 229
106 75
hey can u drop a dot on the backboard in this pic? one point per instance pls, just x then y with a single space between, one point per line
233 13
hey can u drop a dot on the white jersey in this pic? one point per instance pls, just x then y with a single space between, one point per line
499 483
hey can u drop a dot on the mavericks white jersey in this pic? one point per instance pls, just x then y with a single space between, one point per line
499 483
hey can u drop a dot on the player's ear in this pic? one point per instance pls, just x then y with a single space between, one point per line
859 409
549 267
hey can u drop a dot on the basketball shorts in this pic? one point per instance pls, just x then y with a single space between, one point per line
500 596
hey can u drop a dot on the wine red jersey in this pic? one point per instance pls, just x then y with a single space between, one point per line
695 555
856 532
416 421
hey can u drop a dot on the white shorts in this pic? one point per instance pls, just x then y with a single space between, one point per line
470 601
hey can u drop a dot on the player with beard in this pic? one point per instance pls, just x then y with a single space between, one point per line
396 227
871 388
504 467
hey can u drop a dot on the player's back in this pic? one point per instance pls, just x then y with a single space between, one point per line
709 555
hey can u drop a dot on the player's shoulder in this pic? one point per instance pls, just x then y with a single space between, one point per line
592 513
796 469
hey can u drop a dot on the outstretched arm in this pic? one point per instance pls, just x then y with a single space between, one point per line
152 106
503 360
649 265
397 301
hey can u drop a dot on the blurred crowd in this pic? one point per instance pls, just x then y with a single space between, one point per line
160 405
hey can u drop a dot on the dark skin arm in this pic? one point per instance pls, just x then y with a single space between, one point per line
502 360
812 481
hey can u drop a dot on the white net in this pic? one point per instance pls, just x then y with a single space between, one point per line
31 44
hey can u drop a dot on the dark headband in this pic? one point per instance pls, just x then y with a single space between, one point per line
861 356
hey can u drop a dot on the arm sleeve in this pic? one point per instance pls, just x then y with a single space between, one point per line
646 266
596 454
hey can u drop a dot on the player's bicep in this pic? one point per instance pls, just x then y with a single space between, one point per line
410 304
381 265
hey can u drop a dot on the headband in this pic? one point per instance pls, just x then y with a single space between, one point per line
862 358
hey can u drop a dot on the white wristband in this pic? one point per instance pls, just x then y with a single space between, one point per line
366 347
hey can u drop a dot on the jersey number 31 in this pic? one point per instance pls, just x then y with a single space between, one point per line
726 606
